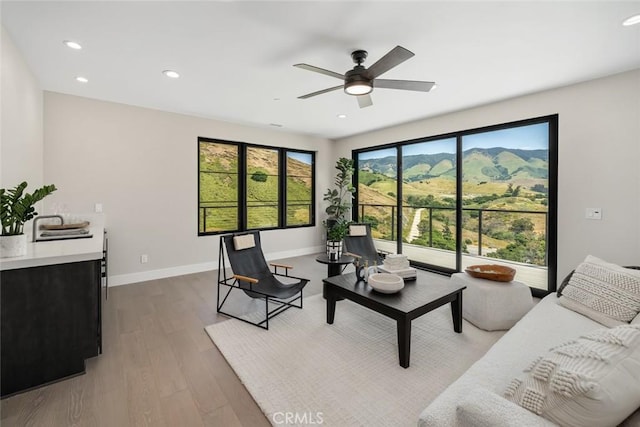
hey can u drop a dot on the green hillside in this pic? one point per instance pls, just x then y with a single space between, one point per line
510 161
219 188
493 179
441 167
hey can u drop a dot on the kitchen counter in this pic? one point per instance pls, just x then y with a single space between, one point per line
51 309
62 251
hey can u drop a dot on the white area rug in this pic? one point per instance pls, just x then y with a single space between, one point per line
347 374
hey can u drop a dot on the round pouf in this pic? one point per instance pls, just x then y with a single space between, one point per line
493 306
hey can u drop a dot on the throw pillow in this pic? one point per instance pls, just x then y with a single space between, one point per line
604 292
243 242
591 381
357 230
564 283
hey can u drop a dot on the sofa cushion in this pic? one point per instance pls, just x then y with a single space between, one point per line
604 292
547 325
594 380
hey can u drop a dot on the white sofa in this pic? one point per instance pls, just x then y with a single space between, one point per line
476 397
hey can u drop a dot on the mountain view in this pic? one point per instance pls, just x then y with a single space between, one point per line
496 182
218 198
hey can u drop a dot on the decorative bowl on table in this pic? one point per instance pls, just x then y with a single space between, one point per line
386 283
495 272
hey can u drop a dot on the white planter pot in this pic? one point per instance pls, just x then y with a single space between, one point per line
12 246
334 249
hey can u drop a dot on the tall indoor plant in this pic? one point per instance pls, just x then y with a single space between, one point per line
16 208
340 200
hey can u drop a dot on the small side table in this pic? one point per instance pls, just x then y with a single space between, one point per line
493 306
334 267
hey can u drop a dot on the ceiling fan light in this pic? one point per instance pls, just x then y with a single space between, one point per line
358 88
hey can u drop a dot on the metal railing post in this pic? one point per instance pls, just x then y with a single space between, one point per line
430 227
479 232
393 222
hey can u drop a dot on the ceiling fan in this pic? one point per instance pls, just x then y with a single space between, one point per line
361 80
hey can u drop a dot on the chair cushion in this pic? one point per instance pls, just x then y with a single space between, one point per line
604 292
357 230
593 380
243 242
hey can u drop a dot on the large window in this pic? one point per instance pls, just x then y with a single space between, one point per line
471 197
247 187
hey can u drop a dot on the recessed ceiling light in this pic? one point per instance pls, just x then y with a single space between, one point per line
171 74
82 79
72 45
341 116
635 19
276 99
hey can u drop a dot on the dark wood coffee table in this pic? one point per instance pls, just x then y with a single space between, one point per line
417 298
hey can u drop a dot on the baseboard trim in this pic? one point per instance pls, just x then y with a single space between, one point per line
143 276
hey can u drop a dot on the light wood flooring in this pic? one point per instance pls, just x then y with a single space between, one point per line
158 366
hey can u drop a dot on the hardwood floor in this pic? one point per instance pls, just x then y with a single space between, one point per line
158 366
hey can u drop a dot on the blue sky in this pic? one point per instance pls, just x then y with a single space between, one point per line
432 147
530 137
302 157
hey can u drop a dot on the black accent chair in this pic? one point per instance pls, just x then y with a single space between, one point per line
252 275
361 246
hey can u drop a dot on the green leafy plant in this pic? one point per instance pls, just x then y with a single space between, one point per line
338 230
339 200
17 206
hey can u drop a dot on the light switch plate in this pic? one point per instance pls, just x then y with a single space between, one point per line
593 213
98 207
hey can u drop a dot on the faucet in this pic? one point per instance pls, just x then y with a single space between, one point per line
36 219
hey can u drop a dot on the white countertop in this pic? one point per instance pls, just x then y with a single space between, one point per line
61 251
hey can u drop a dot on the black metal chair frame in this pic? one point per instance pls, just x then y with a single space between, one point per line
235 281
380 255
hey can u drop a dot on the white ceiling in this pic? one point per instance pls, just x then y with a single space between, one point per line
236 57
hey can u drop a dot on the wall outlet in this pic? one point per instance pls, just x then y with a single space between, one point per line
593 213
98 207
144 258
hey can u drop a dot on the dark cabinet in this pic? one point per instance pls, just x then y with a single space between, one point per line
50 323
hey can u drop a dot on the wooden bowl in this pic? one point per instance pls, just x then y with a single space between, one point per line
495 272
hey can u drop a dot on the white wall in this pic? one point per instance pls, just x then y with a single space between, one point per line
141 164
21 148
599 160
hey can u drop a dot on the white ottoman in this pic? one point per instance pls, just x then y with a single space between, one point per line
493 306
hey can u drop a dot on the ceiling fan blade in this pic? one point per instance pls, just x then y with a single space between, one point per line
403 84
394 57
364 101
320 92
320 70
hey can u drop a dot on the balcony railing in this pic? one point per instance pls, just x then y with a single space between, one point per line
480 214
227 212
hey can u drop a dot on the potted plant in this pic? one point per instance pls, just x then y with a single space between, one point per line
16 208
339 199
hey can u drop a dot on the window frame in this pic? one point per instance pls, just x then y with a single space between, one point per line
552 209
242 186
